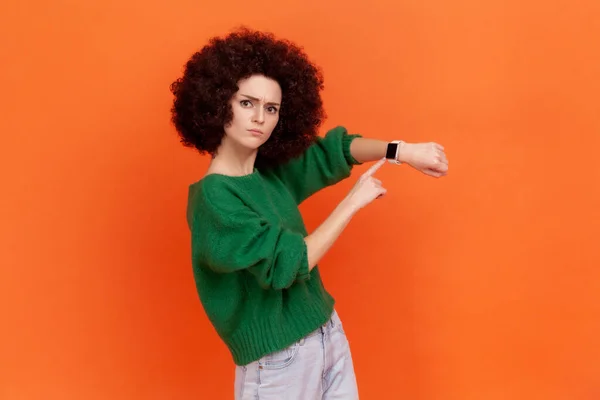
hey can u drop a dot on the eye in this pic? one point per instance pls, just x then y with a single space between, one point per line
272 109
245 103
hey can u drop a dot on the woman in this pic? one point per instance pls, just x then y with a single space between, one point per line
253 103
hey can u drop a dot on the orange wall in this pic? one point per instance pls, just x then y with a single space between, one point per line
482 285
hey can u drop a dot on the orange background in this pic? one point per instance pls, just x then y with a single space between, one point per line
481 285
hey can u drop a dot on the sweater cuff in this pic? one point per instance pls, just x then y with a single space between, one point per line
303 271
346 141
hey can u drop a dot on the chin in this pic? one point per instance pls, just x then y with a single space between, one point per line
253 143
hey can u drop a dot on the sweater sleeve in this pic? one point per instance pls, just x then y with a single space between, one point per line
228 240
325 163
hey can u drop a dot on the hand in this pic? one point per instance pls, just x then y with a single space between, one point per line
367 188
428 158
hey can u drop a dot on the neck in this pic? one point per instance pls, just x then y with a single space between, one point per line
233 159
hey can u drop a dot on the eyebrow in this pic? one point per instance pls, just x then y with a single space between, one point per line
256 99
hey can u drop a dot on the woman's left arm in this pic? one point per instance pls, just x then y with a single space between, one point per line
428 158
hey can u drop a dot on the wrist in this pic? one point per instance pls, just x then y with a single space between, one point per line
404 153
347 207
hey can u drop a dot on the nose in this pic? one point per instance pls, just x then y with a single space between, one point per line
259 115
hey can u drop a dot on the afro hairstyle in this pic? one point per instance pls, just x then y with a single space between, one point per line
201 106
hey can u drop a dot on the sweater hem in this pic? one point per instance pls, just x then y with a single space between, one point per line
262 337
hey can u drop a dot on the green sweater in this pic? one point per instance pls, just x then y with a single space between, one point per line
248 252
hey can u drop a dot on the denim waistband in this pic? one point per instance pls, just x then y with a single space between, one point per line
331 323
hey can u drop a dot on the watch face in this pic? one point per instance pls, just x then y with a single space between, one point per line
391 151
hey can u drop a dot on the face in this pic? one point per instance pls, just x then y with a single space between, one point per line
255 112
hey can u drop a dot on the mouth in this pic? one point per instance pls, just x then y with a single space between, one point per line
256 132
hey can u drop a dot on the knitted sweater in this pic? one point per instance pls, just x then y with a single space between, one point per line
249 256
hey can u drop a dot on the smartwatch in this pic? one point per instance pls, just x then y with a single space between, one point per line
391 153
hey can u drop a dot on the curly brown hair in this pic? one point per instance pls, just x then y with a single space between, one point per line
201 107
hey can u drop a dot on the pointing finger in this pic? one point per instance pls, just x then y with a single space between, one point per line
375 167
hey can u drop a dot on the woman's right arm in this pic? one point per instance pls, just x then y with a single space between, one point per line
233 238
366 190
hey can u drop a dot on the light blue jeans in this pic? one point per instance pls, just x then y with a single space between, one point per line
317 367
